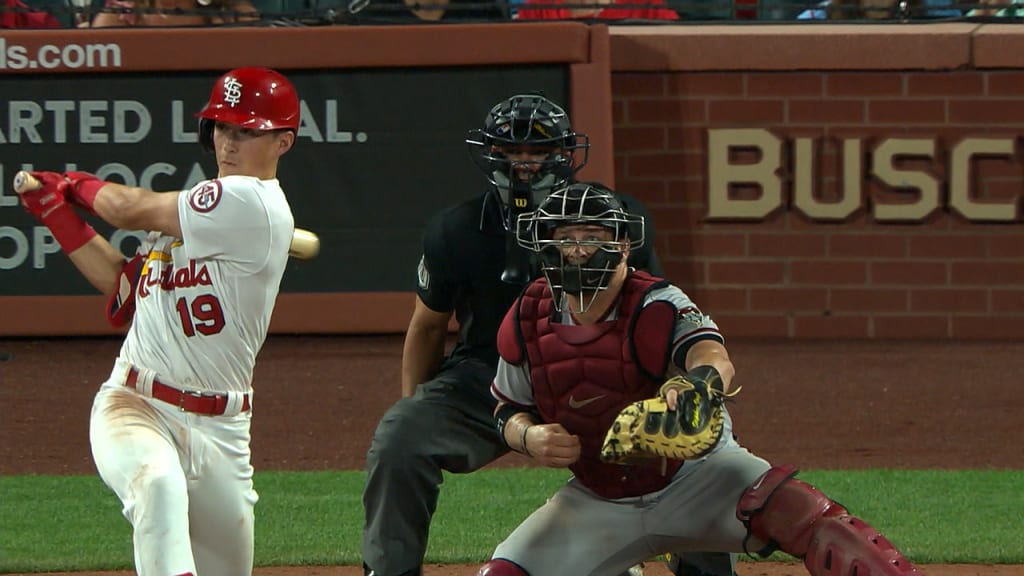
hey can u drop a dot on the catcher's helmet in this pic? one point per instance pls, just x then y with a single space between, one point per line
527 120
580 203
257 98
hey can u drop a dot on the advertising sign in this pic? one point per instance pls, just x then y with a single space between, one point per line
378 152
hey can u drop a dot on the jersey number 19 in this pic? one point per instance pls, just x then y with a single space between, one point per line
203 315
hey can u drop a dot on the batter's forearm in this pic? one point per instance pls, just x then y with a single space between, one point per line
133 208
100 263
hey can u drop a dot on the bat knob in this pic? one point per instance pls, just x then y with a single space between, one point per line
20 181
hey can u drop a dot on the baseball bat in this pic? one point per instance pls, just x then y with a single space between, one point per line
305 245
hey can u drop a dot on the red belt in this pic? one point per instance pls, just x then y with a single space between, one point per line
207 403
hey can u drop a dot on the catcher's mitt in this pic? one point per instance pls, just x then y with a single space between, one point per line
647 428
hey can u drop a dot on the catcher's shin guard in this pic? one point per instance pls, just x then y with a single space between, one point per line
501 567
795 517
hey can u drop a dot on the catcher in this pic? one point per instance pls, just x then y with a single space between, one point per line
618 376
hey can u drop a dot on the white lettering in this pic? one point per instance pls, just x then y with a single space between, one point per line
308 127
6 199
905 167
20 247
23 115
44 243
307 124
99 121
960 198
195 176
60 110
923 184
51 57
179 135
122 110
88 119
74 56
333 135
804 198
146 179
723 174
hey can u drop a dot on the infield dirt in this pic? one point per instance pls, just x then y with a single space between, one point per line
819 405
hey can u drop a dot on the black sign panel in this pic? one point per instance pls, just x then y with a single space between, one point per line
378 153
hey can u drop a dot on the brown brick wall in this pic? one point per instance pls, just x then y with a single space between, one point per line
789 276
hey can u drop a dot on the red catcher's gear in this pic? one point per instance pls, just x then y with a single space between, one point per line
501 567
797 518
257 98
584 375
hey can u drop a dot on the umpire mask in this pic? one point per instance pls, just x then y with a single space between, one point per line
526 149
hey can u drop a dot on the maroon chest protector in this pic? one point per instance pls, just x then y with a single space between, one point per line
584 375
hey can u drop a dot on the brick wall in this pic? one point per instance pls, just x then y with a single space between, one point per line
787 275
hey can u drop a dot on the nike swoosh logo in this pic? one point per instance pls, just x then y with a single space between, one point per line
576 404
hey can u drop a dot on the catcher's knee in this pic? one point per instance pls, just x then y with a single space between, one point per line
797 518
501 567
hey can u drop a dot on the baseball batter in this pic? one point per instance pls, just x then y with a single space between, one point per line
170 427
592 337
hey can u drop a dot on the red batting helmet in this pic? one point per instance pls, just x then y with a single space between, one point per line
258 98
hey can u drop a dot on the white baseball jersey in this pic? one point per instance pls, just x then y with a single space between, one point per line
204 301
512 382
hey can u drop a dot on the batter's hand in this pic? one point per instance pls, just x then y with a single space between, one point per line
48 203
50 196
552 445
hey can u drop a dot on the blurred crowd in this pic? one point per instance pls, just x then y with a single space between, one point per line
128 13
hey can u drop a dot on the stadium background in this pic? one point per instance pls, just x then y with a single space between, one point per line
871 321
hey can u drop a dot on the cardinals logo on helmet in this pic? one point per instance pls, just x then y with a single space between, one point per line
232 92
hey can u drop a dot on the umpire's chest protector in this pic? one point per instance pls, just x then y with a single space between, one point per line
583 376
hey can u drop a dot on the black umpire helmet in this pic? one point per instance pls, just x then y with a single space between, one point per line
527 120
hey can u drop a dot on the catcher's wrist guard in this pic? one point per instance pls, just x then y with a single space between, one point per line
705 374
504 415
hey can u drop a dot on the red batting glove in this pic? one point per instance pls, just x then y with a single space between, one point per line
49 196
49 206
83 189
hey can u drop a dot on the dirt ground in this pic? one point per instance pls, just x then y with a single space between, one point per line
820 405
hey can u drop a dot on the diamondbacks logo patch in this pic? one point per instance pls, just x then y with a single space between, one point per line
206 197
691 316
422 274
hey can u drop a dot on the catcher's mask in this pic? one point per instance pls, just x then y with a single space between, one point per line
564 259
527 124
257 98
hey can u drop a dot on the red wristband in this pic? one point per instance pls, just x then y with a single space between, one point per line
68 228
85 193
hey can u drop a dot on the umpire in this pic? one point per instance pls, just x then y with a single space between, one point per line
470 267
